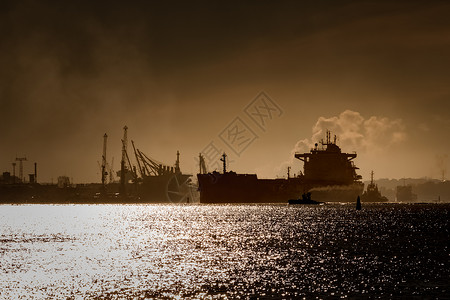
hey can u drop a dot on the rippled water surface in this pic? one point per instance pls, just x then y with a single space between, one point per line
224 251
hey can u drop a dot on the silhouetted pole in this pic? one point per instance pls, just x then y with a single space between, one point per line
20 160
177 163
122 162
358 203
105 137
224 160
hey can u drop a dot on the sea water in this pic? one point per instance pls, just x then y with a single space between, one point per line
224 251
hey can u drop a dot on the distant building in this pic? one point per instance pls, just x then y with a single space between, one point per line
6 178
405 194
63 182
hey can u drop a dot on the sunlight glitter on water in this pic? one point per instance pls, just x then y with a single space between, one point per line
223 251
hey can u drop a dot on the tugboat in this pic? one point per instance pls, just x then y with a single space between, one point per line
372 194
306 199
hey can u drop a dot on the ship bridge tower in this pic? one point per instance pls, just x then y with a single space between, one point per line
328 165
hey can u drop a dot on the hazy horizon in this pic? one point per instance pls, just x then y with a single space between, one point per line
184 75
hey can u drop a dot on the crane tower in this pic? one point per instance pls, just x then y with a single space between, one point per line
20 160
104 173
122 163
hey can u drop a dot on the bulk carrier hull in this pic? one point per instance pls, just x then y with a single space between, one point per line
329 175
247 188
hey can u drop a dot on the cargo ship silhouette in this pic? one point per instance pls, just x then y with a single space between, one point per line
329 175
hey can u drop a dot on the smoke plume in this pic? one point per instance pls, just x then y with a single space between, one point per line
441 163
355 133
369 137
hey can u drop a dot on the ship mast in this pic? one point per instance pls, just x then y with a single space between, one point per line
122 162
104 173
224 160
177 163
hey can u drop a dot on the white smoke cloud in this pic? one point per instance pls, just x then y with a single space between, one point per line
369 136
355 133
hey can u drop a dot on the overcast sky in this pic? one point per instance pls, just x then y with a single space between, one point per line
182 75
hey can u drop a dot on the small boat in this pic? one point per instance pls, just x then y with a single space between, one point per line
306 199
372 194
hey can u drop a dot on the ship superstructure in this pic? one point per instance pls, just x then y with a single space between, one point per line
330 174
328 165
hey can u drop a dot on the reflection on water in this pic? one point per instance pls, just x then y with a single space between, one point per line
224 251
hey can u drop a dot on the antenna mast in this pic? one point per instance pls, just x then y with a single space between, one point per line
104 173
224 160
177 163
122 162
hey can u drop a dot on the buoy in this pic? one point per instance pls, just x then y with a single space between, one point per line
358 204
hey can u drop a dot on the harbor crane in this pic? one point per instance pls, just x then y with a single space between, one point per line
104 172
21 160
123 161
